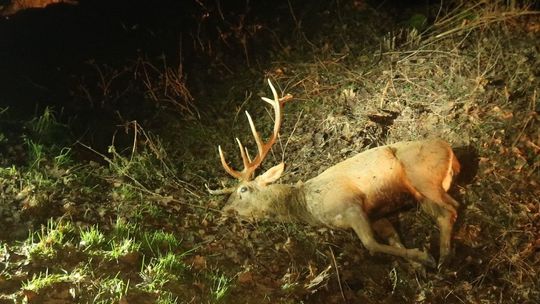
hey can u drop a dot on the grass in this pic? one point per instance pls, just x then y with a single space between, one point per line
138 227
159 241
91 238
160 262
122 248
162 270
220 286
35 154
167 298
46 280
111 289
47 242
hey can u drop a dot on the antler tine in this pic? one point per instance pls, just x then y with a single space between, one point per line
219 191
276 104
256 134
226 166
263 148
245 159
247 154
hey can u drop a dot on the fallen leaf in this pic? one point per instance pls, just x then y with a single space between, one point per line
245 278
198 262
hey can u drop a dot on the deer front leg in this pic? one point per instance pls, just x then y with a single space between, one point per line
385 230
445 219
359 222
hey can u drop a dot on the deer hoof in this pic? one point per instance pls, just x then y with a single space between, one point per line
445 257
442 262
430 261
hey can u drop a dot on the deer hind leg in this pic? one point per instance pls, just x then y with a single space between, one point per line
445 218
358 220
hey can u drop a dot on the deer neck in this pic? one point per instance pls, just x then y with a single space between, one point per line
290 204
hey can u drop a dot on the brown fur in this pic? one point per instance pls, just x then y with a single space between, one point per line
15 6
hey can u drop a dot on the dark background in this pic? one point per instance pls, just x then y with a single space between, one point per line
46 53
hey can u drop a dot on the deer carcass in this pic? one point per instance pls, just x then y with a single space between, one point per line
356 193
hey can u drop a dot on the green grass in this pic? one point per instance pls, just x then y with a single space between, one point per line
63 159
49 240
168 268
221 285
161 266
44 123
125 193
91 238
123 228
121 248
35 154
157 242
45 280
160 263
167 298
110 289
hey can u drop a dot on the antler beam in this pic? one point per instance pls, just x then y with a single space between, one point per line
262 148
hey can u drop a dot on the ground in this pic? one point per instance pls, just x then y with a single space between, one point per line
133 222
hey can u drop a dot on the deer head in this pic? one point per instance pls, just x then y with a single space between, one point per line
255 197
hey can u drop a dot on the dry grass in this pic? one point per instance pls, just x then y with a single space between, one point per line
166 86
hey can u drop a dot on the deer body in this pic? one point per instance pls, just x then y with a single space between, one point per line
357 192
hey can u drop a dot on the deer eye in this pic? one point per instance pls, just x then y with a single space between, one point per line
243 189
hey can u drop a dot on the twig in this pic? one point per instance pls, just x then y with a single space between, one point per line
337 273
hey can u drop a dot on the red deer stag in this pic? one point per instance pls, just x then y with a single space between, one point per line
355 193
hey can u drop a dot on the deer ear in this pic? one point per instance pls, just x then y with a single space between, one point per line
271 175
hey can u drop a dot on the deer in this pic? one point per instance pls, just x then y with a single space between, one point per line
15 6
357 193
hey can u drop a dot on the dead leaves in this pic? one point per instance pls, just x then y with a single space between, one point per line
199 262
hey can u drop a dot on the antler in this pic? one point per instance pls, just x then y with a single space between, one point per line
263 148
